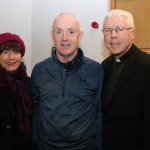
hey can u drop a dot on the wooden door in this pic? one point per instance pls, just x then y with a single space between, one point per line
140 10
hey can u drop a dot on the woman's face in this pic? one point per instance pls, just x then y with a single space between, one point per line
10 60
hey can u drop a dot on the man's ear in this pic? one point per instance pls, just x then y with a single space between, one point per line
52 35
80 36
133 32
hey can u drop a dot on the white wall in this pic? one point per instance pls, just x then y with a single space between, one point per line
32 20
44 11
15 17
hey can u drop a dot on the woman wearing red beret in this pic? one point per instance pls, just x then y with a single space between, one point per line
15 100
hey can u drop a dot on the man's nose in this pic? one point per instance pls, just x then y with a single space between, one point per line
65 36
113 33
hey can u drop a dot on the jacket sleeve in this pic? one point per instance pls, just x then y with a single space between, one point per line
98 137
36 101
147 115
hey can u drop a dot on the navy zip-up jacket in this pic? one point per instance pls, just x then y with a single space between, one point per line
67 105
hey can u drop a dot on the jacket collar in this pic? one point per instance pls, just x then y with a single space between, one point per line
77 61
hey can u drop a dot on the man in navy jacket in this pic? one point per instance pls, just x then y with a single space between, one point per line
66 93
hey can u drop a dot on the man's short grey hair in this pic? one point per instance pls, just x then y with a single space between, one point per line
119 12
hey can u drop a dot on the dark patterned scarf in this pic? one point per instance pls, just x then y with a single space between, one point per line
17 83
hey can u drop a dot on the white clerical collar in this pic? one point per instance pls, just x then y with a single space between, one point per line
117 60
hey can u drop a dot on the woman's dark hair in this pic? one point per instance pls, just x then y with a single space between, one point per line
11 45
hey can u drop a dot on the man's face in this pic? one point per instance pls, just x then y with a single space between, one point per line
118 43
66 35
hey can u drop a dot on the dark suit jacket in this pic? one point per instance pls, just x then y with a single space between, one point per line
126 117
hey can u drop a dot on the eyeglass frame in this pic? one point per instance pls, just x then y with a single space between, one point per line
118 29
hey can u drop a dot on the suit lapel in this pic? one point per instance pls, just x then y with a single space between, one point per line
123 80
126 73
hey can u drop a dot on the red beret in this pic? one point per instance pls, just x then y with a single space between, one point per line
5 37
